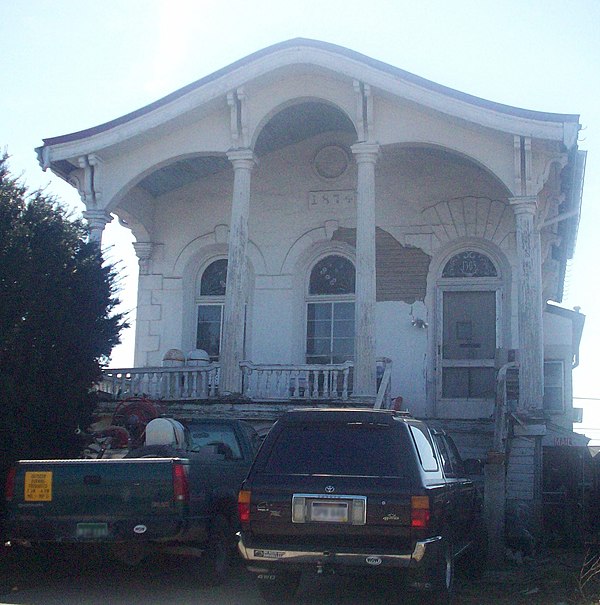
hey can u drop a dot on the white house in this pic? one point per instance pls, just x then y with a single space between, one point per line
308 210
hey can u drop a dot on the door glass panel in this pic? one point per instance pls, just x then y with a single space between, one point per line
468 383
469 325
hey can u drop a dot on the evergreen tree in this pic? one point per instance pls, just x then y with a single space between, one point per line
58 323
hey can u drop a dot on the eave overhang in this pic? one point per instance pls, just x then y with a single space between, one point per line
58 152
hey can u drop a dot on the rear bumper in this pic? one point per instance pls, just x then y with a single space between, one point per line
261 558
116 530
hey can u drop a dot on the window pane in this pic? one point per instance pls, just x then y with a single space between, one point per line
318 346
553 386
318 329
358 449
209 313
425 449
343 347
468 383
319 359
208 335
332 275
470 264
214 279
343 310
469 325
319 311
343 328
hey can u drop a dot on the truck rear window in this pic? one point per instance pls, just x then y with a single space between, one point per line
352 449
221 438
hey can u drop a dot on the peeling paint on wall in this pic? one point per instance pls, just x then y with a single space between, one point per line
401 270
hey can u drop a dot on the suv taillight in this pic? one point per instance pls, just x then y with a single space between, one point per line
419 512
181 486
9 492
244 506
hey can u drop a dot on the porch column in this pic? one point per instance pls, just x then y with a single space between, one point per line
97 220
365 370
531 348
235 291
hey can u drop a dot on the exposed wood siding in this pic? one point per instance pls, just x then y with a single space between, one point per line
401 270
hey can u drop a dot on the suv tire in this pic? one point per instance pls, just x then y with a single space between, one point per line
442 577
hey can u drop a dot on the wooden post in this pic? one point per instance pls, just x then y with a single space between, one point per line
365 367
531 348
235 290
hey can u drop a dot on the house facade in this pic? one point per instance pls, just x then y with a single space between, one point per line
308 207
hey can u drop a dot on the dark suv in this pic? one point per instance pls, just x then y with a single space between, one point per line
361 491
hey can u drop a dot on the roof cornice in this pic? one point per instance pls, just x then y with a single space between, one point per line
513 120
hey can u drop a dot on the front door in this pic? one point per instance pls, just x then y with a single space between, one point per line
468 344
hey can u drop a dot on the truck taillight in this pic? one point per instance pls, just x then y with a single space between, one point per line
9 492
181 486
244 506
419 511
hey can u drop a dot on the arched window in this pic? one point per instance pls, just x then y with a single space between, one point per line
210 301
330 311
469 294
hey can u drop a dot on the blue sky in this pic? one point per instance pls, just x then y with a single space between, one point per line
71 64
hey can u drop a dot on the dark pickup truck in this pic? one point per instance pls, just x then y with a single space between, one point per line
175 495
359 491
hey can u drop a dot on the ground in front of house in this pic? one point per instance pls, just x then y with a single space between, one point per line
553 577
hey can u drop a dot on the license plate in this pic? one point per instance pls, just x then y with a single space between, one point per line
92 530
38 486
329 512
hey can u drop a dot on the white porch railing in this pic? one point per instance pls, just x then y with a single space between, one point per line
309 381
261 382
186 382
290 382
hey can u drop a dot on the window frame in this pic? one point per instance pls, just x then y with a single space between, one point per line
562 386
207 301
331 299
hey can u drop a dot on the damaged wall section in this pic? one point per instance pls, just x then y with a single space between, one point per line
401 270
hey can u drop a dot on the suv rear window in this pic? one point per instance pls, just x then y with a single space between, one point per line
359 449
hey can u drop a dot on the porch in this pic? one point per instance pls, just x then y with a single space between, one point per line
261 383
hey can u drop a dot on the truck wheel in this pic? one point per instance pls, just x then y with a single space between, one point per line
442 578
217 558
278 587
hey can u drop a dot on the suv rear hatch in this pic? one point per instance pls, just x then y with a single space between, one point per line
338 485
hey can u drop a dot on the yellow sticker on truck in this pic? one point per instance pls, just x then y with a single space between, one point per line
38 486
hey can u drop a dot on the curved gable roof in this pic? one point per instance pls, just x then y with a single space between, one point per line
351 63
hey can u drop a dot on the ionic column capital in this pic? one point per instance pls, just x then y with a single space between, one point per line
524 204
365 152
242 159
143 251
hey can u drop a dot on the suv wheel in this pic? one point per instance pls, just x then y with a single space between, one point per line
442 578
278 587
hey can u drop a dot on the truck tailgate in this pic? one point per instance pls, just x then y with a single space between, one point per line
104 500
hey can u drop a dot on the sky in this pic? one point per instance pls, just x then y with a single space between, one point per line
67 65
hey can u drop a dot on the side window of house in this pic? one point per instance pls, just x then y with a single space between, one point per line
554 386
468 291
424 448
330 311
210 300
